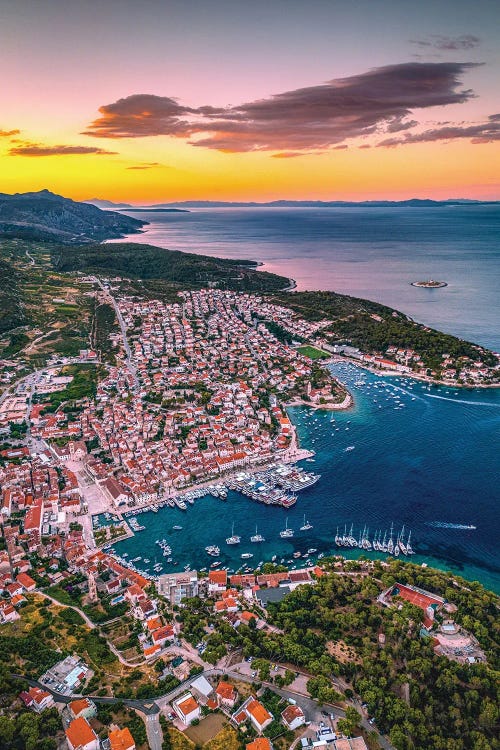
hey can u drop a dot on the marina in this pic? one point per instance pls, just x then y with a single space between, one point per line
393 475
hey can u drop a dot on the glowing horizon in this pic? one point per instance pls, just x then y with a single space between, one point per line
169 102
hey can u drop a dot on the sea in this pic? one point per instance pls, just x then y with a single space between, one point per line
407 454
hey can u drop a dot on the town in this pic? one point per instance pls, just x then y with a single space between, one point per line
196 398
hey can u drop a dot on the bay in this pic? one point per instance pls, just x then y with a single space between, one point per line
432 460
373 253
421 456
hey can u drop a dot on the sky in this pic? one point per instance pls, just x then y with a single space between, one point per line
168 100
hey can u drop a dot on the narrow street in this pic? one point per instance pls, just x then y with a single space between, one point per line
128 352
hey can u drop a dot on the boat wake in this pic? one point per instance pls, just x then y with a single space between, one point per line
461 400
445 525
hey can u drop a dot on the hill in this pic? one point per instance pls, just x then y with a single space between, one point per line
410 203
46 216
185 270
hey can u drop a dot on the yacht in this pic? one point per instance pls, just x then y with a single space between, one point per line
257 537
390 543
212 550
306 525
246 555
402 545
286 533
233 539
409 550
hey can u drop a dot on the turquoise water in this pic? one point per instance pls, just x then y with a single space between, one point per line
434 459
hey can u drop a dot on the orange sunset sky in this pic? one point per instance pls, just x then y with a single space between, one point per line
165 101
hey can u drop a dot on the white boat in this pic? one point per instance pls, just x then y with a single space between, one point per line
306 525
233 539
246 555
286 533
409 550
212 550
177 528
390 543
257 537
349 448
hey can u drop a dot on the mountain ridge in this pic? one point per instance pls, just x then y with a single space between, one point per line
284 203
44 215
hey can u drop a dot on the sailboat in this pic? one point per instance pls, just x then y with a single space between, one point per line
390 543
409 550
257 537
337 538
383 546
233 539
286 533
306 525
402 545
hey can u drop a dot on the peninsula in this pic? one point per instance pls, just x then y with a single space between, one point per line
138 379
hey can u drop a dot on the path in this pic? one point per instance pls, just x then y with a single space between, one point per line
128 353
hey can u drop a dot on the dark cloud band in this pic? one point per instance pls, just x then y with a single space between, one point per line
376 103
38 149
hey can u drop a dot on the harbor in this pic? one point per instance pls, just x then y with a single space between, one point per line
391 475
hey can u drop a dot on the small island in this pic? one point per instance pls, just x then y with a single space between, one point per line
430 284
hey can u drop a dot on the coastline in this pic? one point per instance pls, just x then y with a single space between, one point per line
380 372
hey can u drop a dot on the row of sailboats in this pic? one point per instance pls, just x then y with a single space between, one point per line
378 544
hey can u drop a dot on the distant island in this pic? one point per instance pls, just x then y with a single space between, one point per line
430 284
410 203
283 203
155 209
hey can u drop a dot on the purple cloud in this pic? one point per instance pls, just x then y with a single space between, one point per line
38 149
447 43
148 165
485 132
313 118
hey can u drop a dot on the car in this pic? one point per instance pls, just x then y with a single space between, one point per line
276 667
371 721
325 713
254 674
171 716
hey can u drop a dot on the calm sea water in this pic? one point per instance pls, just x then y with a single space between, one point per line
432 460
368 252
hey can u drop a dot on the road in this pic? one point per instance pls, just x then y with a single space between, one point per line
151 708
154 731
128 353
